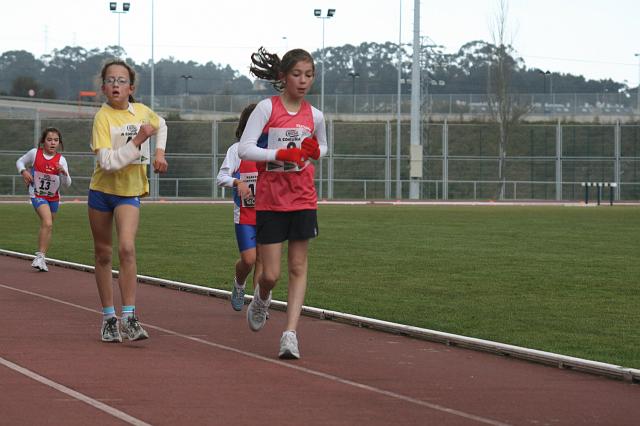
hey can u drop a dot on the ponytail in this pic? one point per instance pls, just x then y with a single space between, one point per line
268 66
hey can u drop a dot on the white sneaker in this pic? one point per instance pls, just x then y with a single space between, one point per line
40 263
258 311
132 329
109 331
289 346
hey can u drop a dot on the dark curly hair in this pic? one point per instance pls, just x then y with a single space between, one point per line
268 66
244 117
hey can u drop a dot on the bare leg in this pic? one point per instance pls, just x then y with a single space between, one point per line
257 270
127 218
270 255
46 227
297 288
245 264
101 223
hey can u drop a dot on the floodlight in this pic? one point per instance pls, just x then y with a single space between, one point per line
126 6
113 6
317 12
331 12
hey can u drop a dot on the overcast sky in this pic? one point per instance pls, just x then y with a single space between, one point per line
593 38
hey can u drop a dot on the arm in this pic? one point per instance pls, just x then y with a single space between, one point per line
63 171
320 132
22 164
110 159
26 160
248 148
229 165
160 164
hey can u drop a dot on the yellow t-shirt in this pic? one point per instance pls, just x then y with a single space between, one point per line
112 129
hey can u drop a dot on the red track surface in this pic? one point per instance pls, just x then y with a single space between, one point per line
202 365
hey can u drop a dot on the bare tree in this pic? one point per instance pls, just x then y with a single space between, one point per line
506 109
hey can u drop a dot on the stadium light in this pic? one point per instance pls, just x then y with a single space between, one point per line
318 14
186 83
353 76
113 7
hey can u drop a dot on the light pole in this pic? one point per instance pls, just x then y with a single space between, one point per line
544 91
637 55
399 106
353 76
318 14
186 83
113 7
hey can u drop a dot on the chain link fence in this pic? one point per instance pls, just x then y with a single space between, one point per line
460 161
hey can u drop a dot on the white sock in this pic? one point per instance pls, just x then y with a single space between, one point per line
238 285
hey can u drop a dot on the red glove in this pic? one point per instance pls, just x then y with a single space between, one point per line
293 155
310 148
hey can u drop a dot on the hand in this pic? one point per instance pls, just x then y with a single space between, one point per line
144 133
160 164
61 170
310 148
293 155
243 190
28 179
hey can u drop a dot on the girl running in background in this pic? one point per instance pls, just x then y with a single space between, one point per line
282 133
120 140
241 175
47 170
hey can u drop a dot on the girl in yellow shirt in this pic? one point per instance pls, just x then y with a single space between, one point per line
120 140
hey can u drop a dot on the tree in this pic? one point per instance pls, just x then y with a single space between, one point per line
505 106
22 85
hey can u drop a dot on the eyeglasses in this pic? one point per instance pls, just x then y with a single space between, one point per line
112 81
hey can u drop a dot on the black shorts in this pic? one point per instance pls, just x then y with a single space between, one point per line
276 227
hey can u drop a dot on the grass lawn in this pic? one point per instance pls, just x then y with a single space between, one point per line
559 279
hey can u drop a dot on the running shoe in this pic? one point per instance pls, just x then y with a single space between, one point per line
40 263
257 311
110 332
289 346
132 329
237 298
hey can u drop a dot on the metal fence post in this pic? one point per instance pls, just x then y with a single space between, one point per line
214 158
616 164
558 161
387 160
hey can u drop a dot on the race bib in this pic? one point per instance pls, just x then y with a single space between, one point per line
45 185
121 136
279 138
250 179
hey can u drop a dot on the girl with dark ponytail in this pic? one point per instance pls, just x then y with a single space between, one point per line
282 135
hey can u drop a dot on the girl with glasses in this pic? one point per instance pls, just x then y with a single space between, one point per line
120 141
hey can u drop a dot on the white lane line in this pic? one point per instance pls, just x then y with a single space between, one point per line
74 394
326 376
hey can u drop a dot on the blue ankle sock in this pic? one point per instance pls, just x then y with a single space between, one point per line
108 312
128 311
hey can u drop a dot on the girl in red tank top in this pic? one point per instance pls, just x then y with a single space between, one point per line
282 135
44 170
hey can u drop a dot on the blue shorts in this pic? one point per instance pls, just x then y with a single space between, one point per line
246 237
37 202
108 202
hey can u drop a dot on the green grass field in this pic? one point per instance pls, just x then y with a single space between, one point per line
559 279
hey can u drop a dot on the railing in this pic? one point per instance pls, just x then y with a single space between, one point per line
358 189
557 104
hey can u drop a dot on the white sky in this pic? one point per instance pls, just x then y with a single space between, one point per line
593 38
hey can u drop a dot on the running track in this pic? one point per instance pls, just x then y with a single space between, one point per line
202 365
